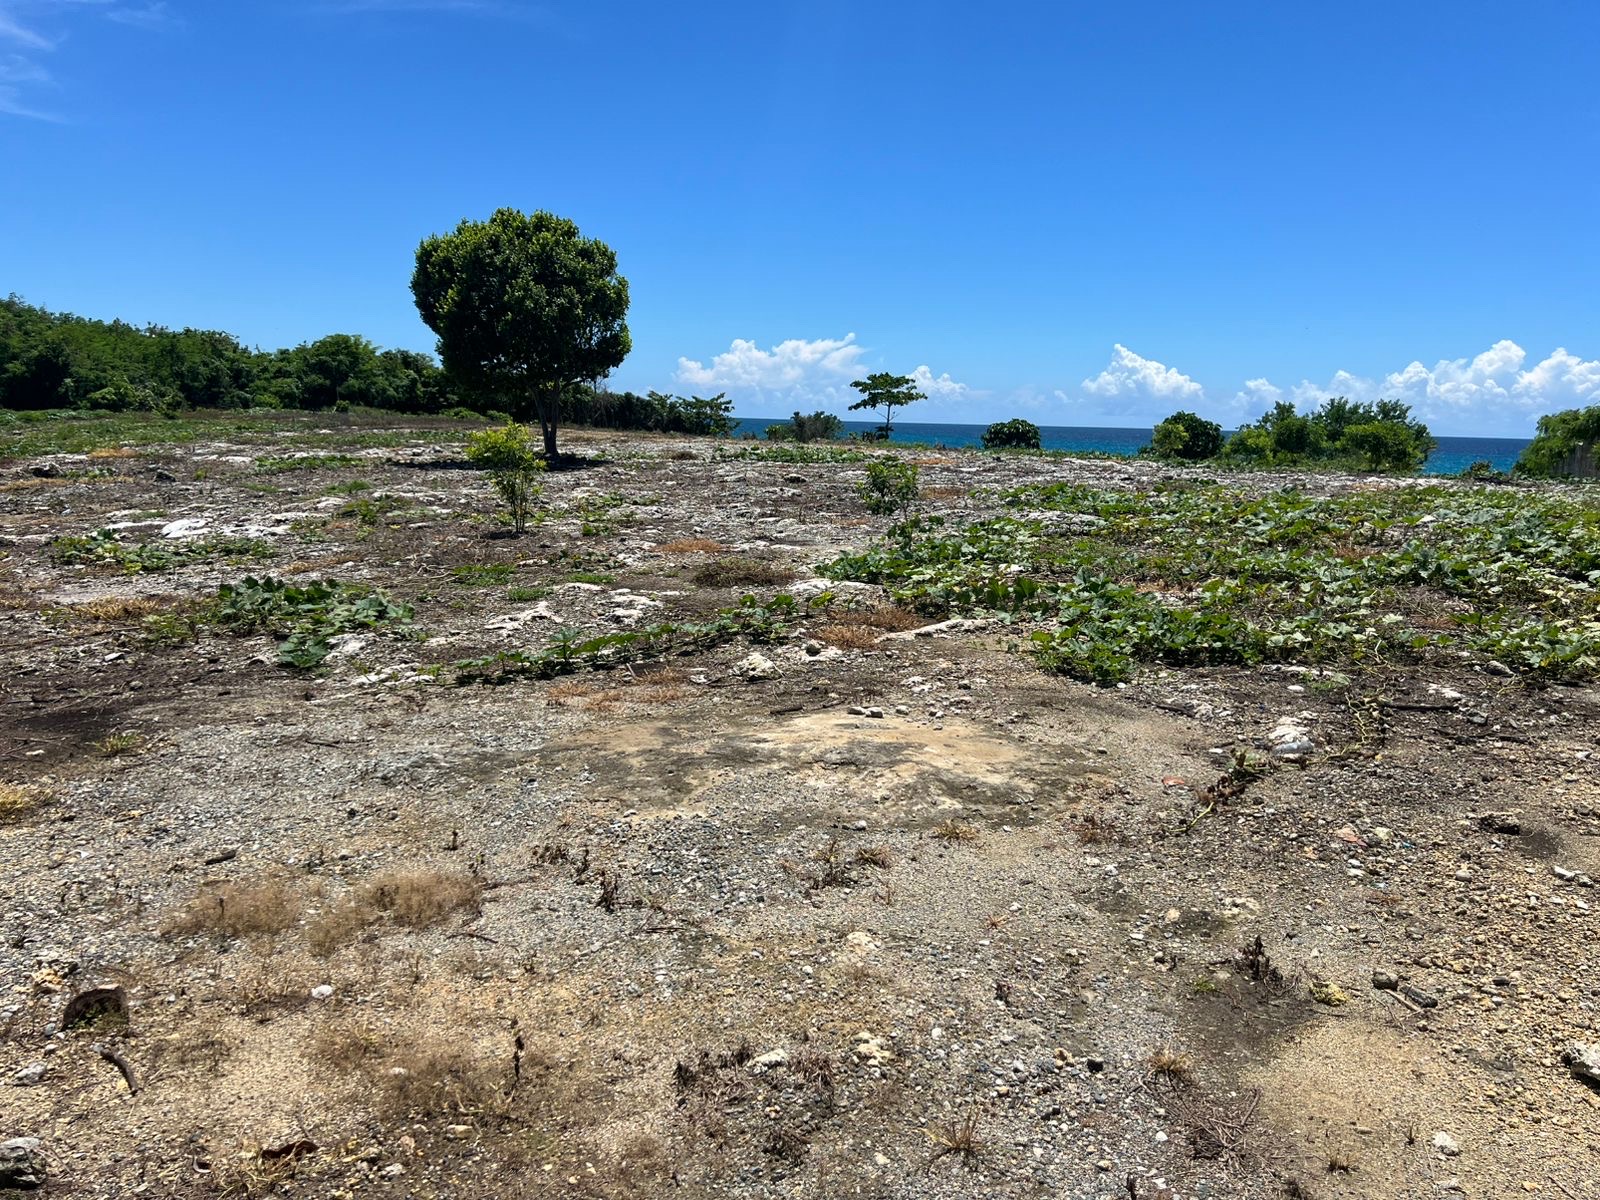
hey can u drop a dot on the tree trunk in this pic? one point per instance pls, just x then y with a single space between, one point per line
548 402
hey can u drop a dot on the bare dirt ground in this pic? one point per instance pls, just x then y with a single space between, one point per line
896 917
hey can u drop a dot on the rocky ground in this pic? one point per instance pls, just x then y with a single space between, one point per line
861 911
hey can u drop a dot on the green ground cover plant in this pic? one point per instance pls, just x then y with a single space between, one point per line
104 548
1103 581
304 617
569 651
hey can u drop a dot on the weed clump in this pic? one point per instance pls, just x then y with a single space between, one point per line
303 617
263 906
419 899
739 571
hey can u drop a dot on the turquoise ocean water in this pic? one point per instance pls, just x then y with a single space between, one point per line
1454 454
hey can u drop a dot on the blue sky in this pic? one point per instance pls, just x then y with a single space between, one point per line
1079 213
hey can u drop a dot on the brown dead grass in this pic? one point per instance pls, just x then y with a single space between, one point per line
34 484
338 927
348 1045
432 1075
105 452
941 493
692 546
1170 1065
660 687
861 630
262 906
736 571
849 637
422 898
17 801
119 608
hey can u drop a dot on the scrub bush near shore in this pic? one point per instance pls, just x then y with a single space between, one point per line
1015 434
1103 581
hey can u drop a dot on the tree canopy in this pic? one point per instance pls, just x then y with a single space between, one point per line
888 392
523 306
1563 444
60 361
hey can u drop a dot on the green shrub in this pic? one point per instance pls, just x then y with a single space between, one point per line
1385 445
817 427
1188 436
1382 436
890 486
1558 442
514 466
1015 434
303 617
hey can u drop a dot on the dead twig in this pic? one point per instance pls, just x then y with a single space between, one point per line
115 1058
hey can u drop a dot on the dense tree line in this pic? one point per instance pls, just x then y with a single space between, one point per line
1378 437
60 361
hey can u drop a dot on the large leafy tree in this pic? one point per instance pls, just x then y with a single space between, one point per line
524 306
888 392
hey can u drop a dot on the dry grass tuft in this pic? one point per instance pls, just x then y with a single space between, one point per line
875 856
737 571
958 1138
105 452
420 898
861 630
693 545
659 687
434 1077
1172 1066
34 484
19 800
848 637
263 906
1096 828
118 608
941 493
338 927
952 830
348 1045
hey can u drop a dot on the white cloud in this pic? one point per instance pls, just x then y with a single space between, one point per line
796 364
1131 376
1490 391
941 387
21 75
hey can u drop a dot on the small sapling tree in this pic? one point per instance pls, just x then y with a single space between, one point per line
508 455
890 485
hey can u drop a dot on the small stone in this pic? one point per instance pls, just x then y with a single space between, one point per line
771 1059
1583 1060
30 1075
756 666
1385 981
392 1171
1446 1145
323 991
457 1132
1326 992
22 1166
1463 875
1419 997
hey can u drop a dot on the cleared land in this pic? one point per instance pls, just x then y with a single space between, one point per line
1234 840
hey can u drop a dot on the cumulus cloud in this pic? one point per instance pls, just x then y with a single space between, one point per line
1491 390
1131 376
940 387
792 364
814 373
